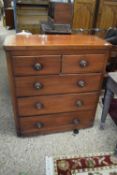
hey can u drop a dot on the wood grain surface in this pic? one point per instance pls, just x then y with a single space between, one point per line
94 63
31 42
55 80
57 84
25 65
56 103
57 122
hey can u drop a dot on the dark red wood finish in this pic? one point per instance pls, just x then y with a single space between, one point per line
55 81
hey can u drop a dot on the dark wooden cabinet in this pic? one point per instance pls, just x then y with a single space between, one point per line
61 12
9 18
55 81
7 3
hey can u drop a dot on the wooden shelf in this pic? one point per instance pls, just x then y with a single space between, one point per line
34 2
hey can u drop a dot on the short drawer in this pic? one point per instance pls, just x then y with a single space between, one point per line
56 122
83 63
57 84
36 65
56 103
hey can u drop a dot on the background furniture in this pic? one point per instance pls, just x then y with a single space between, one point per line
29 14
9 18
52 28
95 14
112 62
84 14
55 81
61 12
107 14
7 3
111 89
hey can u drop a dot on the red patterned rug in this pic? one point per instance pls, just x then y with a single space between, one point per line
99 164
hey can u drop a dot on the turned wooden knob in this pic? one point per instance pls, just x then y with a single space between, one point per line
79 103
38 86
39 125
81 83
76 121
83 63
39 105
38 66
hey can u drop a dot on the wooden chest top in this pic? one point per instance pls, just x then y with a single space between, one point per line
54 42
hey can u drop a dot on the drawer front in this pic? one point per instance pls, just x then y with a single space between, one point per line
38 65
56 103
56 122
53 84
83 63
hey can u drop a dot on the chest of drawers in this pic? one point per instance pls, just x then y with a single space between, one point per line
55 81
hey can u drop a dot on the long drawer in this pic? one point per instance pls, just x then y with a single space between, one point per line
36 65
56 122
83 63
44 85
56 103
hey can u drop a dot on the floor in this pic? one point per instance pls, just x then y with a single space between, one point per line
26 156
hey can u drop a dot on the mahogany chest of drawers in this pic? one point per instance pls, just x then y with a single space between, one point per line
55 81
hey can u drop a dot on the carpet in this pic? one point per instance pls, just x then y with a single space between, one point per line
98 164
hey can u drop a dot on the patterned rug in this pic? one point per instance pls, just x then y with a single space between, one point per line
99 164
